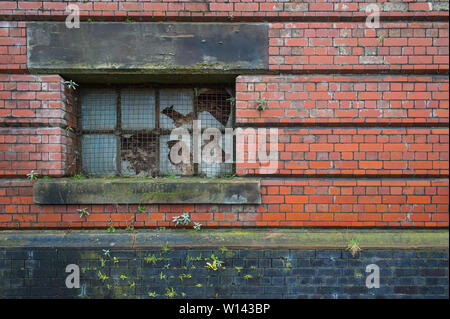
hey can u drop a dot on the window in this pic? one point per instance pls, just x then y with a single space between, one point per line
126 131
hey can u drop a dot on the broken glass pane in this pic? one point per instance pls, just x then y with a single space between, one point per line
176 108
167 166
214 107
99 153
138 109
211 168
98 109
139 153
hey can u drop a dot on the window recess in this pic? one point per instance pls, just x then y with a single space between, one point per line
126 130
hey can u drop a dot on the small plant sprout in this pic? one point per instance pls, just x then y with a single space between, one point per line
152 294
123 277
71 84
197 226
111 229
152 259
83 212
215 265
101 276
141 209
261 104
170 293
184 219
353 246
115 260
32 176
183 276
106 252
247 277
165 248
232 100
69 129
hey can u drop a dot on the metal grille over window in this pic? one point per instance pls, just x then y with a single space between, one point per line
99 154
127 131
138 109
99 110
177 108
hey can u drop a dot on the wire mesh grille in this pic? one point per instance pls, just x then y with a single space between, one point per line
216 164
99 154
139 153
214 108
99 110
177 108
123 123
138 109
169 165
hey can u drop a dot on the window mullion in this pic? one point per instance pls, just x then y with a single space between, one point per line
194 109
118 132
157 130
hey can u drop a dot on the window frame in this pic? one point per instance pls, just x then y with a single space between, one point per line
158 131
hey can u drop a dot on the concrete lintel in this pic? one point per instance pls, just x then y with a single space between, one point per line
147 46
230 238
147 191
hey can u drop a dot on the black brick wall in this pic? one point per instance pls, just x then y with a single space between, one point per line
269 273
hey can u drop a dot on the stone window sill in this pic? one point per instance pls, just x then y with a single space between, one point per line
147 191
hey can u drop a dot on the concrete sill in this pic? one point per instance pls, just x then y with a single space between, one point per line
236 238
147 191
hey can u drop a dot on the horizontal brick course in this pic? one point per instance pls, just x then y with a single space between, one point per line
339 99
353 46
220 8
355 151
46 151
37 100
13 50
286 202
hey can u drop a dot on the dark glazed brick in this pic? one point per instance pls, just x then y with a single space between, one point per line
275 274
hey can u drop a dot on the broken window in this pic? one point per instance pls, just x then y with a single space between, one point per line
126 131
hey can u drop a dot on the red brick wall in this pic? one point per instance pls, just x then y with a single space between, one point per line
46 151
216 9
357 151
361 115
13 50
353 46
355 99
36 100
287 202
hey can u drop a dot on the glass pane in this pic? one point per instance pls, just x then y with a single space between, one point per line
98 109
176 108
214 107
212 169
166 165
139 154
99 153
138 109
